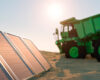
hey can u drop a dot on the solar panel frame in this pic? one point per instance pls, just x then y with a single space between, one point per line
17 47
18 53
5 72
34 54
2 60
40 53
12 74
2 74
18 56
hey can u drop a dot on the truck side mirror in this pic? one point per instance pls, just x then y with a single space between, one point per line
57 32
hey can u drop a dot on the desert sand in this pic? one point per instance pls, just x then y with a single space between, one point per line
70 69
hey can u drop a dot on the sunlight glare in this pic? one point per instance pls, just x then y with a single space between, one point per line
55 11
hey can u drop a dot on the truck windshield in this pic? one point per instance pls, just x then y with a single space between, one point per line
67 28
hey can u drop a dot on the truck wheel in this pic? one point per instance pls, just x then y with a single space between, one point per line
72 50
97 50
93 55
82 51
77 52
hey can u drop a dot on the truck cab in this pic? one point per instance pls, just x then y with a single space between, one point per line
69 30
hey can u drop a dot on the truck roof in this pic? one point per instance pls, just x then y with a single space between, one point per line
74 20
68 21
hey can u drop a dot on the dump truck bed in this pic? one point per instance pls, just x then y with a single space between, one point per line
88 26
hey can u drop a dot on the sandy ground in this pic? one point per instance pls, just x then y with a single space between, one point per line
70 69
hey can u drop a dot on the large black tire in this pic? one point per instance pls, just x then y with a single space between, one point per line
93 55
65 49
94 44
97 50
82 52
68 46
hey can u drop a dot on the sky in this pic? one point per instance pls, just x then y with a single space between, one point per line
37 19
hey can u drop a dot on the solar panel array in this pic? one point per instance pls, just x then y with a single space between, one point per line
36 53
20 57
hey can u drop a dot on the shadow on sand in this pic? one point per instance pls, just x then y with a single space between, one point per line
87 69
61 65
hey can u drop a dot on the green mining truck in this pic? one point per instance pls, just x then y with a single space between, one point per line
80 37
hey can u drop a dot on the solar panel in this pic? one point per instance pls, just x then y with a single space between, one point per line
36 53
13 59
4 75
25 54
7 67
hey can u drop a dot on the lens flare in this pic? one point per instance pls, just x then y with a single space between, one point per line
55 11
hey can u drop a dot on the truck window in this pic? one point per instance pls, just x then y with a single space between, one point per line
65 29
72 32
70 28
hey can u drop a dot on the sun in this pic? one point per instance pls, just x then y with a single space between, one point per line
55 11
